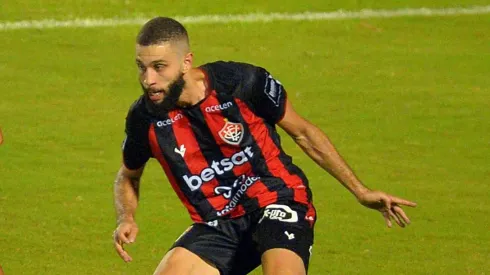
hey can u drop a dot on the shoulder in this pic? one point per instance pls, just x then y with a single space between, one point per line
138 107
232 76
230 67
138 113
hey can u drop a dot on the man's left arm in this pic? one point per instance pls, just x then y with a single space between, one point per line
318 147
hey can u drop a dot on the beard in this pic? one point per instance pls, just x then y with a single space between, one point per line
171 99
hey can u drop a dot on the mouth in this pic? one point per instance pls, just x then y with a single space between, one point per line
156 96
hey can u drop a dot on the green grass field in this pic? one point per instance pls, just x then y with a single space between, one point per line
406 100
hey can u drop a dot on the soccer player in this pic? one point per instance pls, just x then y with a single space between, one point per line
1 136
213 130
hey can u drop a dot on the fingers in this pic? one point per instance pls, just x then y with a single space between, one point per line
403 202
395 217
386 215
120 250
120 239
132 235
400 213
393 211
389 207
397 214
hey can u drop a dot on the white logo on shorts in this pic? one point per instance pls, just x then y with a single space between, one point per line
290 235
279 212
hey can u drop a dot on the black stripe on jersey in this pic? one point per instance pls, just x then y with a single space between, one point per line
167 143
204 136
210 149
286 160
260 167
233 113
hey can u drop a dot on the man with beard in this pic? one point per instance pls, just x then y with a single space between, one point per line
213 131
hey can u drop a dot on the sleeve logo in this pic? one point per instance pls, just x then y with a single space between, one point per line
273 89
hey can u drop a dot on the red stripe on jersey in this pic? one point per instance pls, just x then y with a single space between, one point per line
271 153
216 122
157 153
194 159
237 212
311 214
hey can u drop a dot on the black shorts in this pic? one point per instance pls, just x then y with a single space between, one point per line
235 246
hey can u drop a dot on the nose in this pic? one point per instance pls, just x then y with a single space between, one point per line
150 77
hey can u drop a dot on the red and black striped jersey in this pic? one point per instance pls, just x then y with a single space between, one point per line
222 156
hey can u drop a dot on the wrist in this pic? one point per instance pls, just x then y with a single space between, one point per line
125 219
359 191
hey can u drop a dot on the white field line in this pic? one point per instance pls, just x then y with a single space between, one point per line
242 18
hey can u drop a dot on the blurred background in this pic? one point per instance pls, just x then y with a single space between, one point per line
405 98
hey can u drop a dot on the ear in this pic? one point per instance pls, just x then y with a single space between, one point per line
188 58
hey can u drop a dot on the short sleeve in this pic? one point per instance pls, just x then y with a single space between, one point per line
269 97
264 93
136 147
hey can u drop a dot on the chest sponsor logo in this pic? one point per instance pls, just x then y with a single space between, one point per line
170 121
220 107
234 192
194 182
280 212
232 133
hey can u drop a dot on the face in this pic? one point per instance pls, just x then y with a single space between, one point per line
161 69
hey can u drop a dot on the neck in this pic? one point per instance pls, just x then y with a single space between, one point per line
195 88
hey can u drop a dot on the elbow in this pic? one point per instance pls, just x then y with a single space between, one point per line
299 138
303 142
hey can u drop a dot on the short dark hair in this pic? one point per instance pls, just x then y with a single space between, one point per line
161 29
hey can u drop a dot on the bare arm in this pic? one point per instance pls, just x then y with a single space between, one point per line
319 148
126 194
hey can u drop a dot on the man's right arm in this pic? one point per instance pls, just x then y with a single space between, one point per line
135 152
126 194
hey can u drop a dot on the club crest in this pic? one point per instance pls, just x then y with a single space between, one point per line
232 133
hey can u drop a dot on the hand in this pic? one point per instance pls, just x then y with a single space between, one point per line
125 233
388 205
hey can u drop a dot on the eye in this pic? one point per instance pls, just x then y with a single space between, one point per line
159 66
141 68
